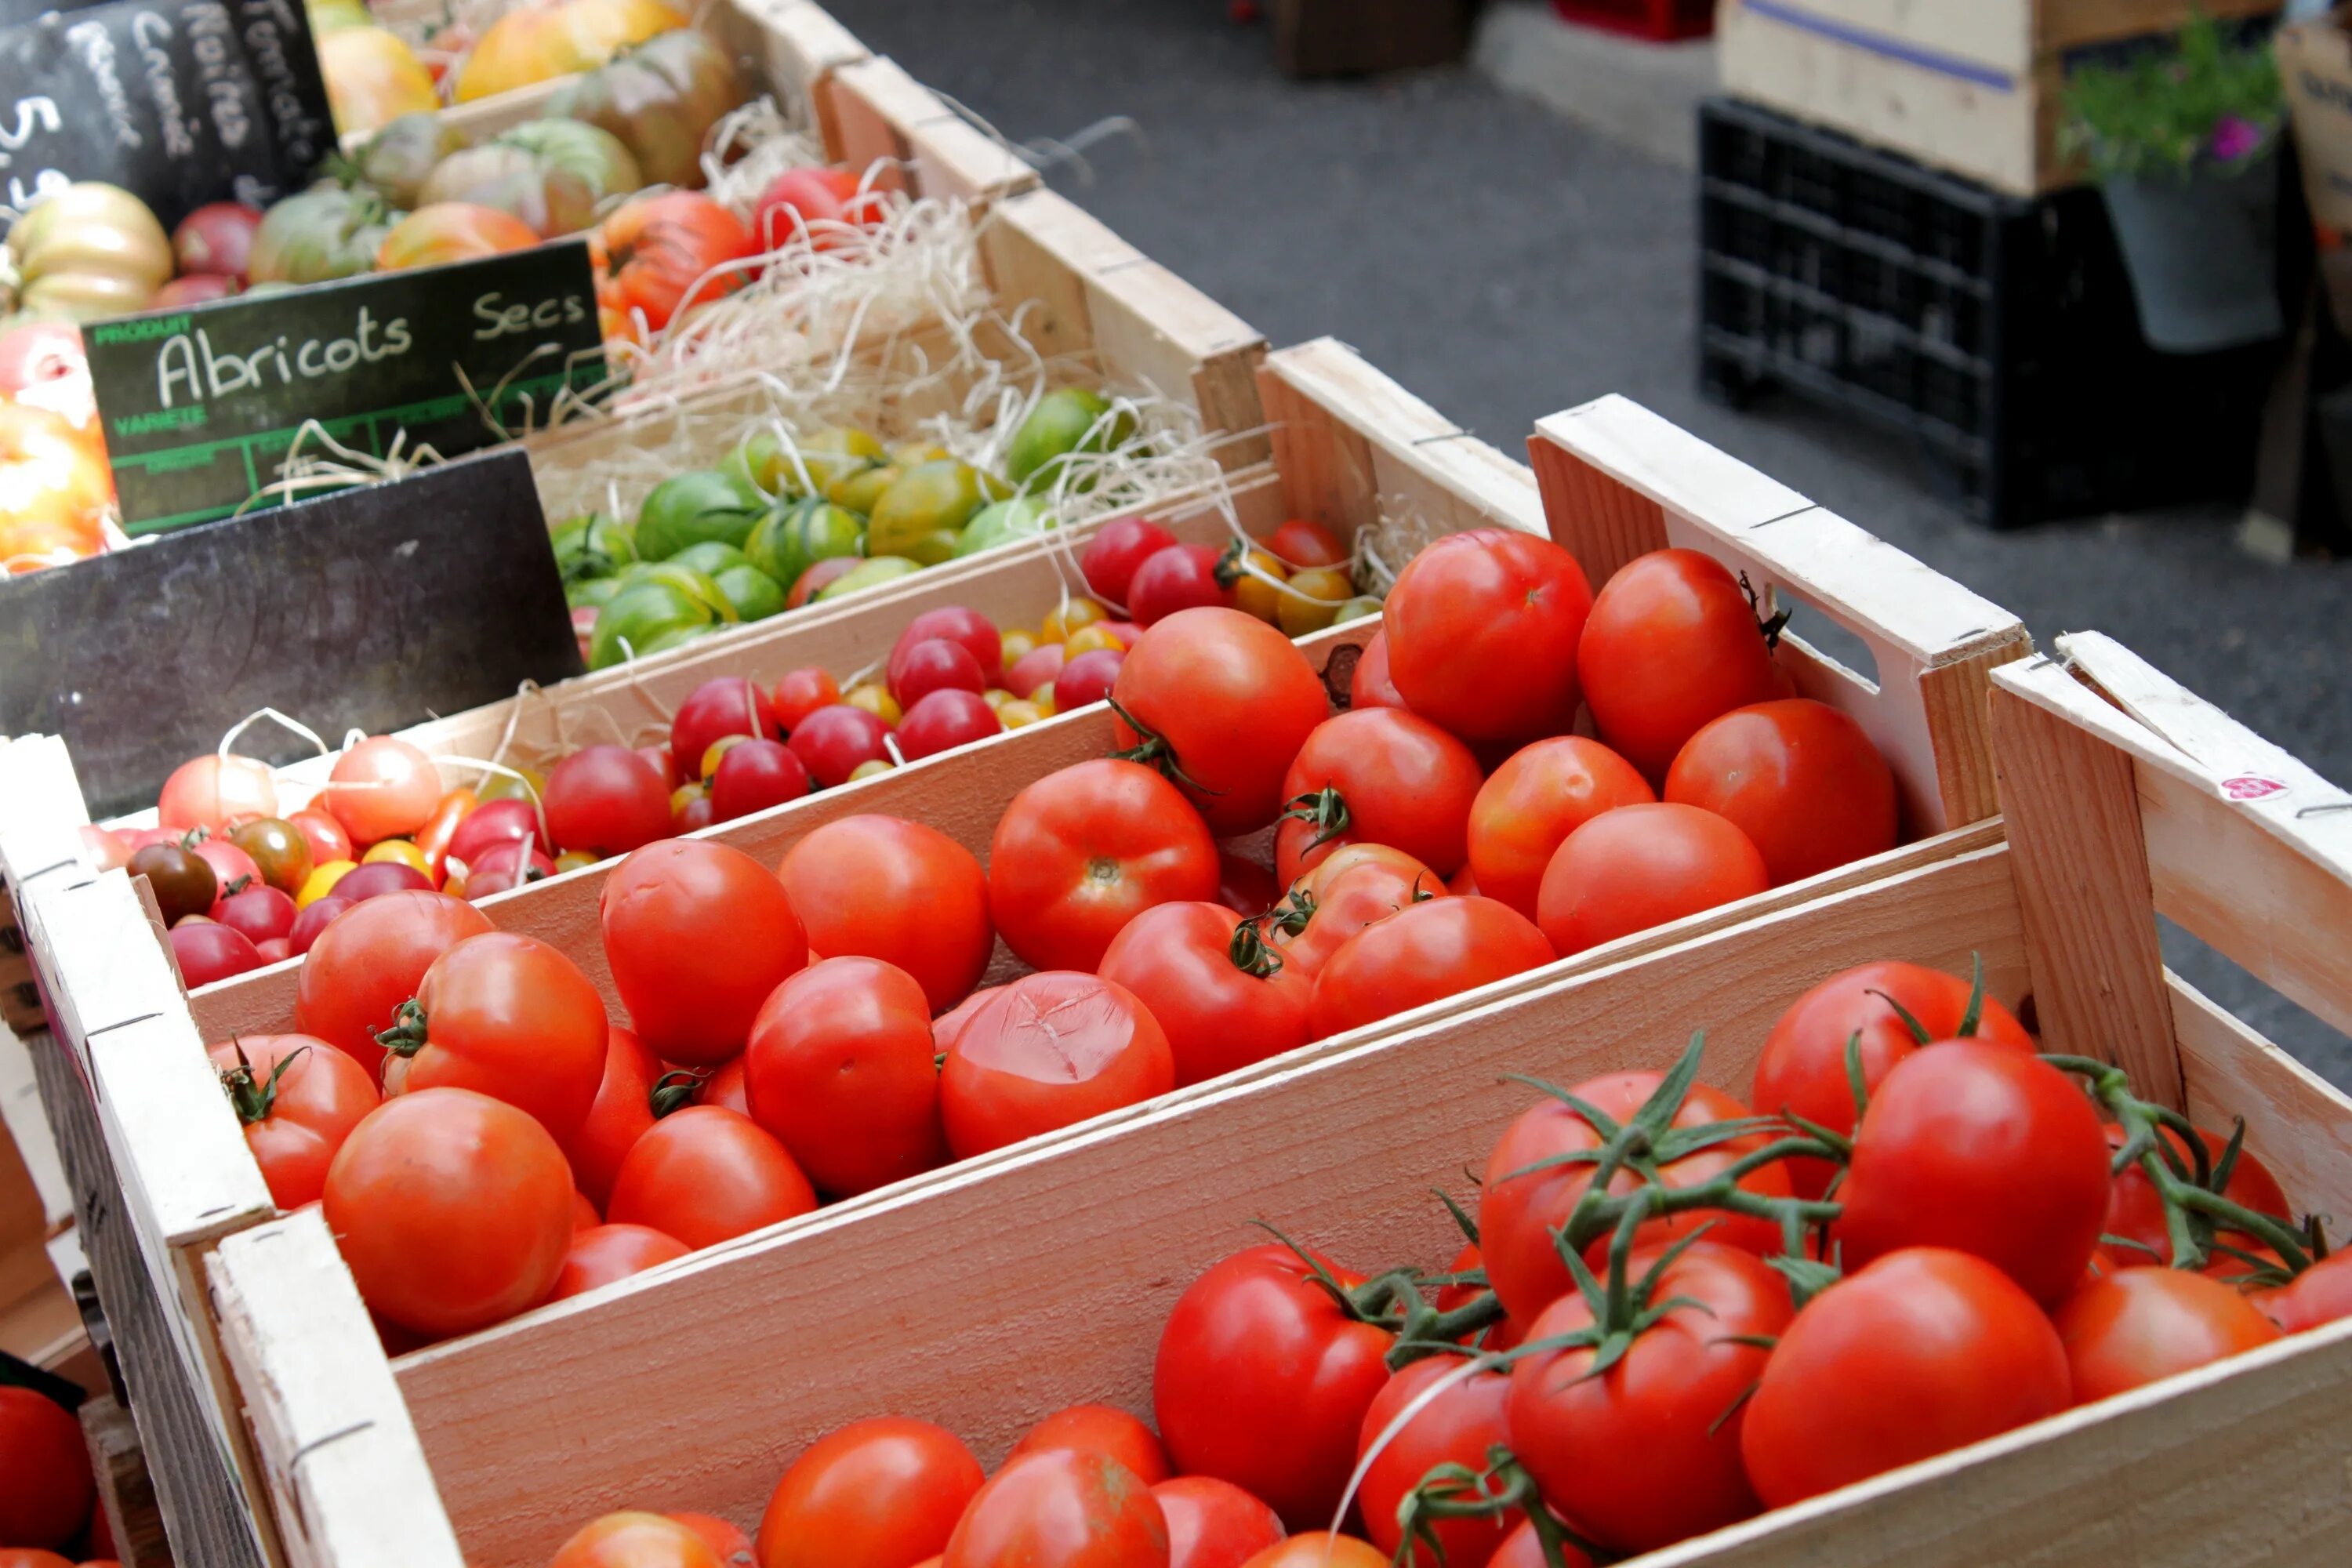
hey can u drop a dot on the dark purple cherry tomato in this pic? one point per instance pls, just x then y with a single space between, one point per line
313 919
182 881
381 877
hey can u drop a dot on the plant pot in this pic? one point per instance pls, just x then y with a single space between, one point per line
2202 253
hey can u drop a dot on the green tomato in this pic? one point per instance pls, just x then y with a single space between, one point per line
597 591
691 508
754 594
594 545
664 601
793 537
923 515
1069 420
1356 609
676 636
867 573
709 558
1000 522
860 488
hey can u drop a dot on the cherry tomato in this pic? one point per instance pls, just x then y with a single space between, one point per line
636 1541
1060 1509
1641 866
208 952
619 1116
232 868
1520 1207
968 628
1423 953
183 882
381 788
1110 558
839 1069
275 949
754 777
277 849
216 792
1213 1524
1223 704
604 1253
1219 1012
946 719
1039 668
1533 802
723 705
1455 1426
1300 544
453 1210
1320 1549
311 919
1923 1352
935 664
1798 777
1086 849
1802 1068
46 1488
325 836
2139 1325
881 886
707 1175
1672 644
1086 677
505 866
801 692
1397 779
875 1494
1045 1052
1174 577
2135 1212
835 740
1244 886
1646 1453
1986 1150
1482 630
375 879
607 798
297 1100
696 934
492 823
1102 1429
433 839
1262 1381
508 1016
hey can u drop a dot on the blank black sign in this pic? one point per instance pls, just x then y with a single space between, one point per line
371 609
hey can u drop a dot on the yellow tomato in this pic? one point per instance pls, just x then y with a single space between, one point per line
540 42
1015 714
1314 598
876 700
683 796
1075 615
499 786
874 769
1087 639
996 696
400 851
716 751
1356 609
321 881
1017 646
573 859
372 78
1042 700
1256 596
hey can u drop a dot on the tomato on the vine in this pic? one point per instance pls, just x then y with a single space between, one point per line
2136 1211
1221 702
839 1069
2138 1325
1213 1524
1456 1426
1222 1005
883 1493
298 1098
506 1015
1084 850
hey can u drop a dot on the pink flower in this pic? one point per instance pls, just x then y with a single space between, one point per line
2234 137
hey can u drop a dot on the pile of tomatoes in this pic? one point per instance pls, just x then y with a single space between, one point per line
1673 1314
48 1500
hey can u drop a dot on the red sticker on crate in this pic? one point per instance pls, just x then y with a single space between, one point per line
2251 786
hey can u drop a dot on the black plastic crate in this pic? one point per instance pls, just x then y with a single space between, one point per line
1999 333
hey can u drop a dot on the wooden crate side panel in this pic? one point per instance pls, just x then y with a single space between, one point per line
885 114
2299 1121
126 1491
797 48
1095 1235
351 1485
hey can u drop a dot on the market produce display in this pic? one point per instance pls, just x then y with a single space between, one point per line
376 73
48 1512
1672 1312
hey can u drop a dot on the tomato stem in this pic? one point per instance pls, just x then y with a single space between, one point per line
408 1034
675 1090
1250 954
1153 750
254 1101
1326 810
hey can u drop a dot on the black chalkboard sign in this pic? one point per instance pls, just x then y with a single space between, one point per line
371 608
181 102
200 407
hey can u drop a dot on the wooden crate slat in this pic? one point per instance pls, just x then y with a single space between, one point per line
2298 1120
882 113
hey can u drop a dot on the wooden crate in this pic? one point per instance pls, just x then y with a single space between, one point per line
1974 88
2127 783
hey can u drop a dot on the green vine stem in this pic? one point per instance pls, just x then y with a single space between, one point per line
1326 811
408 1034
254 1100
1153 750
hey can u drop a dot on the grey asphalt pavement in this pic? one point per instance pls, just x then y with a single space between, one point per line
1505 263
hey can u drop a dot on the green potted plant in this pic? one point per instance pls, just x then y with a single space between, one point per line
2184 142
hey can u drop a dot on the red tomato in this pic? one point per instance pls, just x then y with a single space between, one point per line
492 823
935 664
1244 886
209 952
46 1489
1482 630
636 1541
1525 1550
2139 1325
1985 1150
1213 1524
1533 802
297 1100
508 1016
1088 678
1647 1453
1219 1013
801 693
670 251
722 706
1112 557
839 1069
754 775
584 1216
1045 1052
733 1547
212 790
1084 850
1221 702
378 877
1802 1068
974 632
834 741
2320 1294
1520 1207
1378 775
215 239
502 867
1798 777
817 578
606 800
1672 644
1060 1509
1300 544
1923 1352
381 788
696 934
327 840
1641 866
1041 667
707 1175
1320 1549
725 1087
453 1210
823 204
875 1494
1370 686
619 1116
1456 1426
882 886
608 1252
1102 1429
312 923
1364 892
369 960
2136 1211
34 1557
944 721
232 867
1177 577
1262 1381
261 913
1424 954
